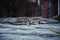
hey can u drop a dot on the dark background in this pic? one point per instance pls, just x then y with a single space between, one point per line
22 8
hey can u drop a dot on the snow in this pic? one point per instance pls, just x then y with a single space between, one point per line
29 32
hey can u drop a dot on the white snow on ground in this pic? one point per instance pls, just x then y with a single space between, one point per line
31 26
29 32
19 37
40 31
